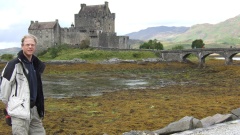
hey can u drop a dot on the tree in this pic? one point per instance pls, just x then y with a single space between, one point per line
198 43
152 44
7 57
178 47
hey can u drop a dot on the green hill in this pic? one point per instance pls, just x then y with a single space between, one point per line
13 50
223 34
220 35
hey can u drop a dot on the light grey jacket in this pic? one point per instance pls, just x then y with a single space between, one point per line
15 92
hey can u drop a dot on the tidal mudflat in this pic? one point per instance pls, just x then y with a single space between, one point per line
93 99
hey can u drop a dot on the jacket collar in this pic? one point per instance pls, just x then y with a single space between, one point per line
23 57
38 64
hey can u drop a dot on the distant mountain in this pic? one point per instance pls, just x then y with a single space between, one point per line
223 34
161 32
13 50
226 32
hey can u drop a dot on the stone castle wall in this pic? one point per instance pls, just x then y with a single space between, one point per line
93 23
73 36
96 18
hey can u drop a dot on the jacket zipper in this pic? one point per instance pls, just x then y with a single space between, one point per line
16 87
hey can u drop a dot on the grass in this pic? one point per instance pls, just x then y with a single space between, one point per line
97 55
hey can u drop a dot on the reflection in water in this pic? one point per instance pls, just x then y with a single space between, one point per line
234 58
90 85
135 82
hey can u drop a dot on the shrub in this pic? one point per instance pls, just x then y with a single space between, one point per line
54 52
42 53
84 44
136 55
7 57
178 47
152 44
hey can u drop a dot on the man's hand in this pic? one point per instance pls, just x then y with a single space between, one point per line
7 117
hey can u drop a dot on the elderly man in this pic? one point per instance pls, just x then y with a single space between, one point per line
21 90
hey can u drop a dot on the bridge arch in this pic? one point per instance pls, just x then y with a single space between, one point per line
185 56
201 53
229 58
202 57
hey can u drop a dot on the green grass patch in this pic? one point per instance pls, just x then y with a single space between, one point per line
96 55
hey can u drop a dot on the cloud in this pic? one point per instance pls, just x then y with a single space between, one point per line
131 15
4 45
14 33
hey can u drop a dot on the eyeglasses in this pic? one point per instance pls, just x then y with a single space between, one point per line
28 45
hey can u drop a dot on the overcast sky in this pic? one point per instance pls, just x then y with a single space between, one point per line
131 15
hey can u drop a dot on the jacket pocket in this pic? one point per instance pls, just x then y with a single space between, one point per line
18 107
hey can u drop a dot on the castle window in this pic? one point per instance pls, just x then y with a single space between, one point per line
93 36
83 31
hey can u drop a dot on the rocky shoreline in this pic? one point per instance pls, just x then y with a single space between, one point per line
109 61
191 126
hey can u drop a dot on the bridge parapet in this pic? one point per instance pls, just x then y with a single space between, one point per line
201 53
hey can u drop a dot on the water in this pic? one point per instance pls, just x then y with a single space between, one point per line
221 58
95 85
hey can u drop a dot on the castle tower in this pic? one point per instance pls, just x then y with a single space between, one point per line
48 34
95 17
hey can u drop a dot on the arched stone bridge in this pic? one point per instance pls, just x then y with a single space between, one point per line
201 53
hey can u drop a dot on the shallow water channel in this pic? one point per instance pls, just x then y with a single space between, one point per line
95 85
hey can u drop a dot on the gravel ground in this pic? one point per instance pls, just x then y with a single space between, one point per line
229 128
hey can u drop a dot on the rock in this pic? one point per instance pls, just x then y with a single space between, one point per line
197 123
183 124
77 60
114 60
223 118
128 61
162 131
151 60
217 118
189 123
139 133
236 112
111 61
186 123
208 121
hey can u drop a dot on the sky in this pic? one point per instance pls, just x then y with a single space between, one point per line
131 15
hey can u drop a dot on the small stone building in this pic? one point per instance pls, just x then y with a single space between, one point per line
94 23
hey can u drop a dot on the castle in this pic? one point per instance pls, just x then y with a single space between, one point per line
94 23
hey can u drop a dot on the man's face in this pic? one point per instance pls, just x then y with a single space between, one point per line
29 46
